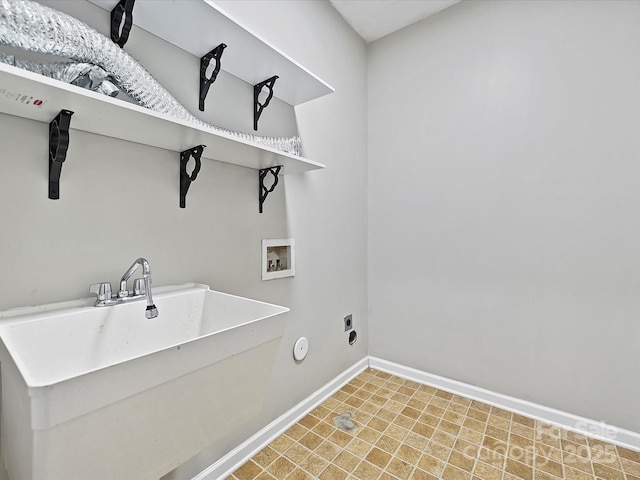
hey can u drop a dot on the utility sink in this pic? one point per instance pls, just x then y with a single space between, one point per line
106 393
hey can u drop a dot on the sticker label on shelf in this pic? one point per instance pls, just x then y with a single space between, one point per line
22 98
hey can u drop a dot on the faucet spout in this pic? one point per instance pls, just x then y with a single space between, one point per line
152 311
146 273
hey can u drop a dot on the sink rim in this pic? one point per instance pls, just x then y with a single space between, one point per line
22 316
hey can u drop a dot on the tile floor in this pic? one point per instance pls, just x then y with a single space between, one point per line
405 430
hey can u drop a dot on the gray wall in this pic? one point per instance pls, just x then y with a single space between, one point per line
504 200
120 200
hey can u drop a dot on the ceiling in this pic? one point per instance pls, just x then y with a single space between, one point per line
373 19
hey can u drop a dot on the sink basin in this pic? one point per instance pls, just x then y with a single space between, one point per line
104 392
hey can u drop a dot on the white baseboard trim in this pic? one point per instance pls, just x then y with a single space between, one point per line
568 421
226 465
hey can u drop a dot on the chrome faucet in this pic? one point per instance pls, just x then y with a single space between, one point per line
141 287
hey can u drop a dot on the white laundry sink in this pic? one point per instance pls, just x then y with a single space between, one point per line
103 392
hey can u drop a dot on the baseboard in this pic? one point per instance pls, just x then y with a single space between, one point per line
239 455
590 428
568 421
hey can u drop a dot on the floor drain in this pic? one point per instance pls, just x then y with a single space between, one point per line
343 422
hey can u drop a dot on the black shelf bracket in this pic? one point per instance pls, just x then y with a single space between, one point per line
185 178
257 106
264 191
205 62
121 21
58 145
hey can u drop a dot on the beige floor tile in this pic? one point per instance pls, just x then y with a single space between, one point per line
431 464
281 468
378 457
628 454
265 476
422 475
266 456
399 468
630 468
416 438
296 453
454 473
366 470
358 447
485 471
333 473
248 471
299 474
346 461
387 443
282 443
314 464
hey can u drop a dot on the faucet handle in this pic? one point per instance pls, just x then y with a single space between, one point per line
138 286
103 290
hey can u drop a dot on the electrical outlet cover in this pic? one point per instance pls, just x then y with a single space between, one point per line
348 322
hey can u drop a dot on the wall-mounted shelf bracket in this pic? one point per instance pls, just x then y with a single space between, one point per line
264 191
186 178
205 62
121 21
58 145
258 107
